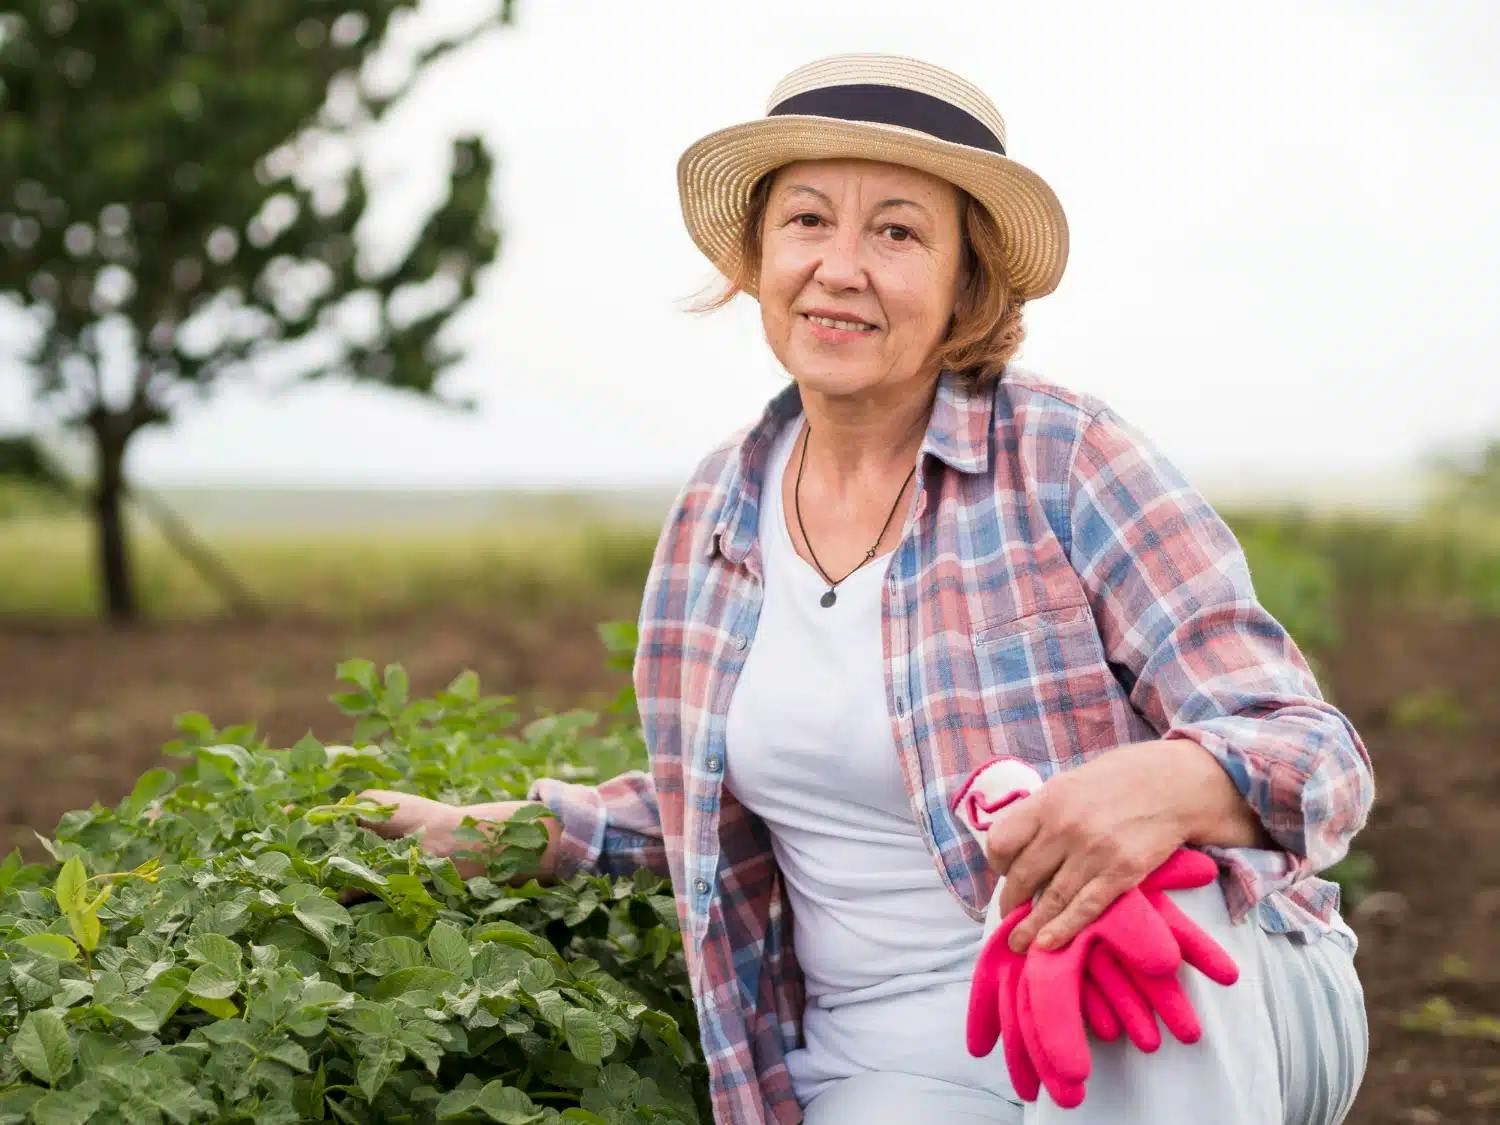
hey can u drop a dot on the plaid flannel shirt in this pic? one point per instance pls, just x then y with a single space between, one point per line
1060 589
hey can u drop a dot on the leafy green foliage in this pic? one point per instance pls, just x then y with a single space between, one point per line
1355 874
197 952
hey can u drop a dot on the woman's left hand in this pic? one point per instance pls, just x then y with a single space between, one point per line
1089 835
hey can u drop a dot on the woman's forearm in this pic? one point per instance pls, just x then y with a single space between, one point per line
1213 811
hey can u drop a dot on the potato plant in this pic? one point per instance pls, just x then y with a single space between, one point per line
229 944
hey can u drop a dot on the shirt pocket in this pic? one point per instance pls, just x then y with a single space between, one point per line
1048 692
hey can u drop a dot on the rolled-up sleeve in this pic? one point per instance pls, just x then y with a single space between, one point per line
611 828
1171 592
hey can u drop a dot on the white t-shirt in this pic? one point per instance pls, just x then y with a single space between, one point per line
886 951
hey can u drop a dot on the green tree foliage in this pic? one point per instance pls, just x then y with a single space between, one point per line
162 228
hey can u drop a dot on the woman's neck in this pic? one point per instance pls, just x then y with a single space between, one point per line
860 442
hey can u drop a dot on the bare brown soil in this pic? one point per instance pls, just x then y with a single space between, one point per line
85 710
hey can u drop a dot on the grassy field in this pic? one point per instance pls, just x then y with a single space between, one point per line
351 554
46 567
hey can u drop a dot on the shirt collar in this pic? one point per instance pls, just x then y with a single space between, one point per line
958 434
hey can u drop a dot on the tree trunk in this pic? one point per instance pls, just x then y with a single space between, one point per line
109 492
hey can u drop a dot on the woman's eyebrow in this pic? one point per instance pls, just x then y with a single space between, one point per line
884 203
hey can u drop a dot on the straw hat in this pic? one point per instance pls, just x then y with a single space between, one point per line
879 107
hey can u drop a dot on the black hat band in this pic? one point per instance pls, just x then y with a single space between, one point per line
894 105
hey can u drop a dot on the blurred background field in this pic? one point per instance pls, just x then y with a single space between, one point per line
343 554
350 554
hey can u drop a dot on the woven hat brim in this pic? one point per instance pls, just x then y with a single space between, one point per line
716 173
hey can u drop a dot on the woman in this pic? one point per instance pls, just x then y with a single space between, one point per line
816 677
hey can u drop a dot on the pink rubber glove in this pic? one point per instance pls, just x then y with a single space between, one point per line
1135 996
1121 977
1184 870
992 1005
1133 932
992 991
1135 992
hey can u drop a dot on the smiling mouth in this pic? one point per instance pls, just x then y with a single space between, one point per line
838 325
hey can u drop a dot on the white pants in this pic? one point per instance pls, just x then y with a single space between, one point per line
1286 1044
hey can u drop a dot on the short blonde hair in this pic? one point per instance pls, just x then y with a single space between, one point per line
986 328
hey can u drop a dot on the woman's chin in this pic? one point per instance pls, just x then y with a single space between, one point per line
834 376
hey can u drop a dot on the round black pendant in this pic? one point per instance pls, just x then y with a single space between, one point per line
828 599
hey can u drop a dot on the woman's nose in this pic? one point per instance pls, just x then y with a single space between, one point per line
841 266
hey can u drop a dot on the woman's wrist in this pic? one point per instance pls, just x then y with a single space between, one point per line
1211 810
500 811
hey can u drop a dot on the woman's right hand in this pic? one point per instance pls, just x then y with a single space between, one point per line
440 821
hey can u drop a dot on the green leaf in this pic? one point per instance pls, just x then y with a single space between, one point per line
309 1100
165 993
391 953
151 784
137 1014
216 950
42 1046
465 686
194 722
50 945
272 865
321 916
585 1035
377 1059
10 868
456 1102
213 983
351 702
378 1021
536 975
507 1104
508 933
71 882
325 994
359 871
396 687
16 1103
427 977
228 759
224 1009
450 949
292 1054
36 981
86 929
359 672
410 899
66 1107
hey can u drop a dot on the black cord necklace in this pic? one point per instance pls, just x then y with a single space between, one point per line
830 597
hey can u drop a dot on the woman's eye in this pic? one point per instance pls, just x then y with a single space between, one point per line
906 232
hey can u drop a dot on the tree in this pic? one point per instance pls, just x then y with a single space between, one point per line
161 232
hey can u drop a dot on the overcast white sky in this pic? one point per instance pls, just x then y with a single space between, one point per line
1285 243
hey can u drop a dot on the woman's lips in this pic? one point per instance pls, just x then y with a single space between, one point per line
835 335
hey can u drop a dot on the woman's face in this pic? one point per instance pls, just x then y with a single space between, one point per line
876 242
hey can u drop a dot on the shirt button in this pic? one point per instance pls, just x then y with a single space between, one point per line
900 704
739 640
713 764
701 886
